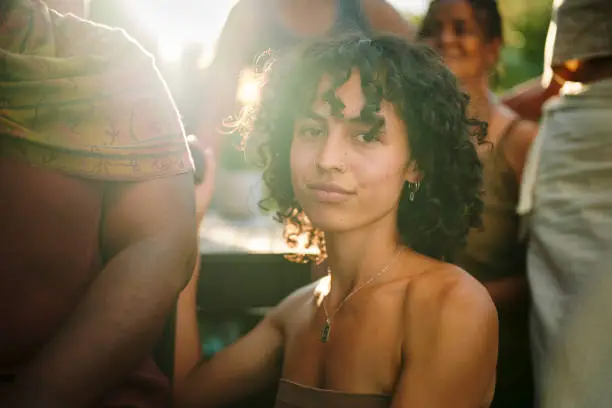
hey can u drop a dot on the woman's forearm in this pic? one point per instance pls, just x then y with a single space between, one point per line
188 348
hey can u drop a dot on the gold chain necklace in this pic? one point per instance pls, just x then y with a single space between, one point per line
325 332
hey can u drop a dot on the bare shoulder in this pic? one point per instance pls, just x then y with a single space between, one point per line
450 336
446 292
518 142
383 17
523 132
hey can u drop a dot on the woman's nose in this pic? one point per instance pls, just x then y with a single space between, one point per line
332 153
446 37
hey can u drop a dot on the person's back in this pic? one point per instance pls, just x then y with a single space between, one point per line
568 178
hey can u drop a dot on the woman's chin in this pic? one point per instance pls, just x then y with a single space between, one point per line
331 223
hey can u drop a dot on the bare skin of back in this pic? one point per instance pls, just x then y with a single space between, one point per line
425 333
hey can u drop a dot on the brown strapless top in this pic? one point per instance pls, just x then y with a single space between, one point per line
292 395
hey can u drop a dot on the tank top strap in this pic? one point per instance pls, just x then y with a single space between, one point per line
350 16
503 174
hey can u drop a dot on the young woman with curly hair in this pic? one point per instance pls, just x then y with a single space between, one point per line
369 154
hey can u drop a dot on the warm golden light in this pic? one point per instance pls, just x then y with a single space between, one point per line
248 88
170 49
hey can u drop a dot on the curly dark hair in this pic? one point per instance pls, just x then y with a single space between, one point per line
425 95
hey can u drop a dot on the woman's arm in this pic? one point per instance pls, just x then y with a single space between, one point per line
251 364
187 345
450 343
148 236
243 368
516 146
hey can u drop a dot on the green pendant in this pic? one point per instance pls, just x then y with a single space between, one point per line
325 331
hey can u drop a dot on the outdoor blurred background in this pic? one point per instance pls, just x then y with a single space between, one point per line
187 30
525 27
182 35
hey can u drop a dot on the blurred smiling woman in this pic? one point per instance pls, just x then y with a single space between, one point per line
468 36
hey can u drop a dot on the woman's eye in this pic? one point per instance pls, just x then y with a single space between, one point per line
460 28
367 137
431 29
311 132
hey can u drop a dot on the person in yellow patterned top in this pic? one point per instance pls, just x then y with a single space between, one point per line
97 212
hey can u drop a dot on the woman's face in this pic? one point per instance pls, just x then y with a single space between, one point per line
452 28
347 173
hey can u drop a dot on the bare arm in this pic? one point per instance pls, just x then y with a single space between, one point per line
243 368
517 145
450 345
148 238
383 17
251 364
187 347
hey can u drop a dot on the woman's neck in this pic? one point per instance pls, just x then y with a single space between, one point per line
355 256
480 102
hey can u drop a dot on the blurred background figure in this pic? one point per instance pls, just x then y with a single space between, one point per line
468 34
581 359
255 26
567 183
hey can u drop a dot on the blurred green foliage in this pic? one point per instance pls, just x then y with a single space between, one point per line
525 28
